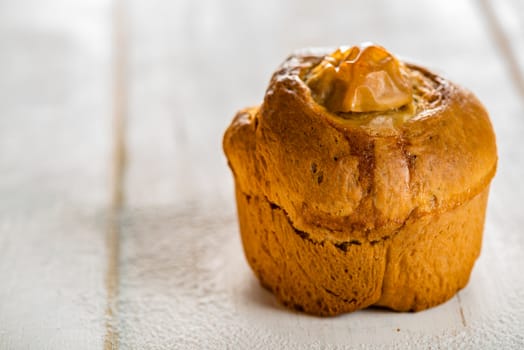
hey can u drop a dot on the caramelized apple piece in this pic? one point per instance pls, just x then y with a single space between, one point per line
363 78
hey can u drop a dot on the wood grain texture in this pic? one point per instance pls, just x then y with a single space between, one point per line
54 135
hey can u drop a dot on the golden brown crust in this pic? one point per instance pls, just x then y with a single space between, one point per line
361 178
422 264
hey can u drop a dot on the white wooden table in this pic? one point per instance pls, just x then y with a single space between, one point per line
117 217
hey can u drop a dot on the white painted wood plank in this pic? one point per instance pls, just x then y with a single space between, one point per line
506 17
503 254
54 161
184 280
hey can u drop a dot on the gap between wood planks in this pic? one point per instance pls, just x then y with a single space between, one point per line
502 42
118 167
